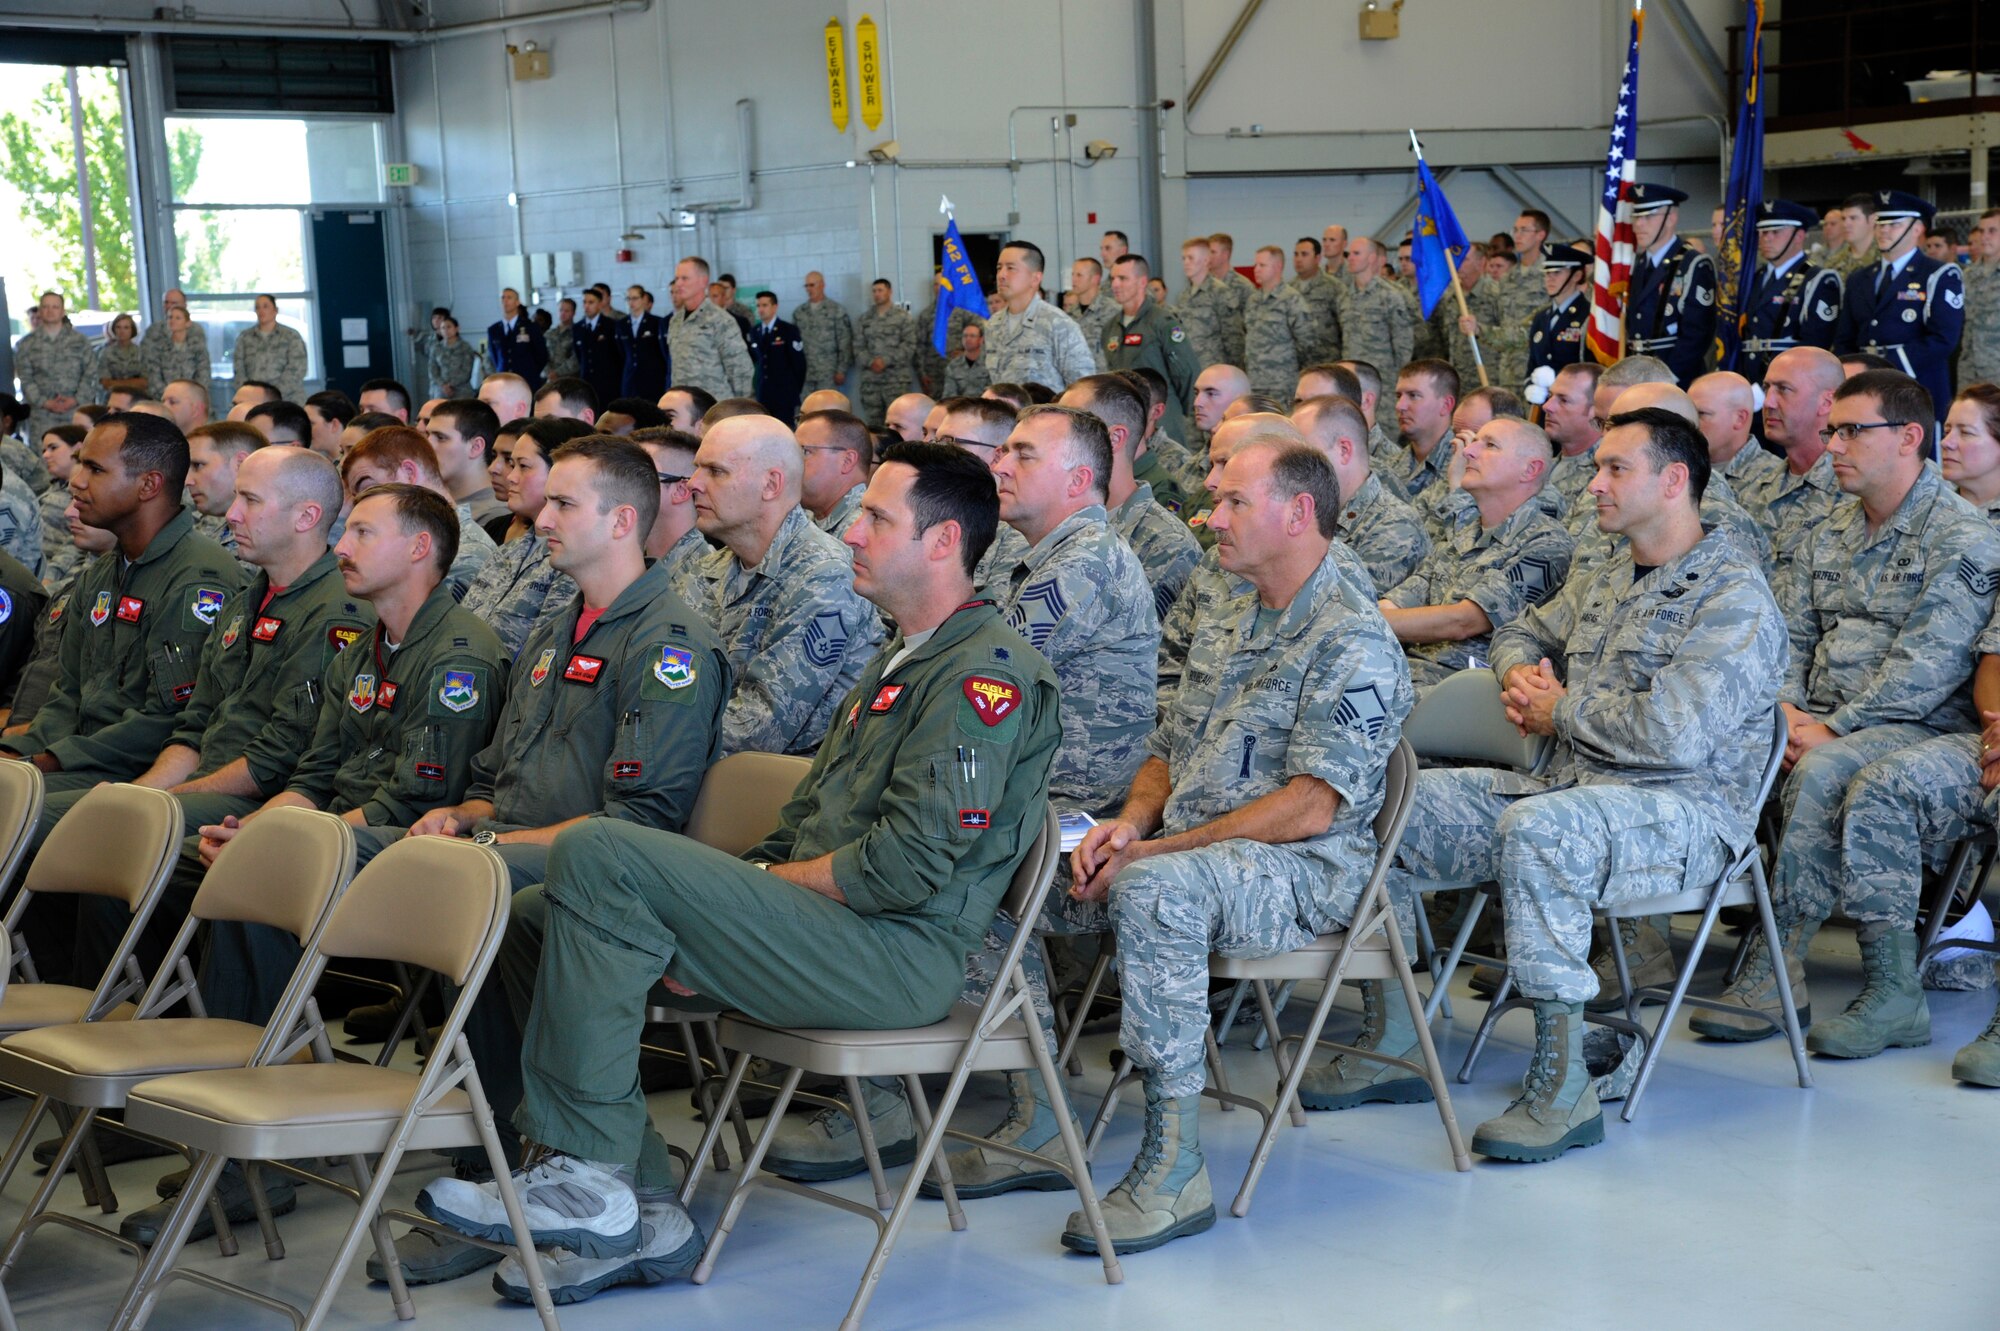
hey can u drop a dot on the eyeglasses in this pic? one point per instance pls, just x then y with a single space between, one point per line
665 479
1847 434
972 445
824 448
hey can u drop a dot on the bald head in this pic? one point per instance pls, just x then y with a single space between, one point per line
508 395
824 399
1233 433
906 415
293 476
1725 403
1667 397
760 443
1798 398
1214 389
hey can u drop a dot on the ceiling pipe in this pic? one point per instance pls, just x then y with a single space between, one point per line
324 32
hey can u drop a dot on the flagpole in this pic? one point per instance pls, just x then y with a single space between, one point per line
1625 301
1464 311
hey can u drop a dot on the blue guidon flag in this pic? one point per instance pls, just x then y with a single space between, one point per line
958 285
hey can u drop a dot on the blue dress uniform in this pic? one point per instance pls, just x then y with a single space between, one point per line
1796 307
1913 318
779 353
1670 311
1555 334
517 348
601 344
645 358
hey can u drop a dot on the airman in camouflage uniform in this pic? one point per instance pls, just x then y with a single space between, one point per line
1979 341
888 335
1384 533
1166 549
1203 310
1883 625
276 357
120 360
168 360
449 365
21 521
1755 475
797 636
1323 296
707 351
1275 700
1040 345
933 370
561 342
1278 338
54 361
1719 513
828 333
516 588
60 557
1232 293
1796 509
1378 324
1396 466
1504 337
965 378
1095 319
1008 549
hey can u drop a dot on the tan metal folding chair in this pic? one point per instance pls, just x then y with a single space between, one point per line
1742 884
7 1322
998 1035
119 841
741 799
429 902
285 870
1463 720
1971 860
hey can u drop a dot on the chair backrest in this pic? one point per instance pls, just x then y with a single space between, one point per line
1463 719
118 841
1036 871
282 869
741 798
1399 793
20 810
428 901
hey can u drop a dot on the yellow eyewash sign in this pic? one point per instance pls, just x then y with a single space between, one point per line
836 74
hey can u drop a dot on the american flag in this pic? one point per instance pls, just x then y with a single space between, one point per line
1615 242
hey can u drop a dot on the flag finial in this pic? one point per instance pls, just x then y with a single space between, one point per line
944 204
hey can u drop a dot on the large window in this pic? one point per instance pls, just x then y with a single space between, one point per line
243 192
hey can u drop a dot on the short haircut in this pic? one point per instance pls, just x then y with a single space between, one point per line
849 431
269 390
1636 370
1150 384
95 411
1138 260
1943 231
1538 217
1443 378
1345 381
642 411
1312 241
418 509
772 296
548 433
1039 395
69 435
573 391
621 473
1298 469
733 406
1123 239
397 393
1903 400
389 448
1114 401
152 443
1015 395
1088 444
1036 260
289 417
334 405
1863 200
231 436
1339 416
666 437
370 420
306 477
883 282
1587 369
472 419
1500 401
951 485
1671 438
1271 249
700 264
1867 360
988 414
1369 377
1096 267
1195 242
1221 240
700 397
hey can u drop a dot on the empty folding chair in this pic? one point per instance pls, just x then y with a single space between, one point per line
429 902
1742 884
284 869
998 1035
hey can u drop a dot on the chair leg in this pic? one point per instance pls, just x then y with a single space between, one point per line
45 1190
1440 1000
1433 1065
496 1157
158 1263
724 1107
1786 1002
1739 958
1123 1073
743 1138
267 1224
920 1108
1268 1034
1623 968
857 1109
24 1138
1268 1008
1288 1087
752 1164
703 1087
1683 977
1079 1168
1228 1021
1080 1015
1502 1003
1217 1072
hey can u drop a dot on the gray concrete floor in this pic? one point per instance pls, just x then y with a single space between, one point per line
1737 1200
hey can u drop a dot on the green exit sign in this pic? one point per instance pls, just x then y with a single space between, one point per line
399 174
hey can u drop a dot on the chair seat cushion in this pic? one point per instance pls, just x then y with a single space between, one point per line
910 1049
330 1093
134 1048
1371 958
27 1007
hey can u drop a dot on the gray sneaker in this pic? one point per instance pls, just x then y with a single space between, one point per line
670 1246
432 1259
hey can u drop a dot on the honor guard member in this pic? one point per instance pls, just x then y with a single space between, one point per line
1909 308
1384 532
885 337
1278 331
779 592
1555 333
645 349
56 368
705 346
1979 352
1095 307
1147 334
602 345
1490 569
778 350
1028 340
829 335
135 625
514 343
1247 831
1885 602
519 585
867 875
837 449
1670 306
1794 302
966 374
271 353
1166 549
1655 675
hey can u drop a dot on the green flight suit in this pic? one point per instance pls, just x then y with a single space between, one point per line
1155 339
926 794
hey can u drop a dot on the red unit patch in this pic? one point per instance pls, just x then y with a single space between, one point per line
1134 339
886 697
583 669
993 700
267 628
388 695
130 608
430 771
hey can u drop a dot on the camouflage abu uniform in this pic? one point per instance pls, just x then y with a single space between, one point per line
1661 737
277 358
1755 474
829 339
1166 549
1008 549
841 516
58 364
1318 689
168 360
889 335
1719 512
1979 343
965 378
561 342
1278 337
1384 533
1201 313
1379 325
1095 322
1796 509
1323 297
450 368
933 370
21 521
60 557
1232 293
1504 571
515 589
707 351
1883 627
797 636
115 361
1040 345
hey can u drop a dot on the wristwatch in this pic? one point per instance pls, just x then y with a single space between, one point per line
485 838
